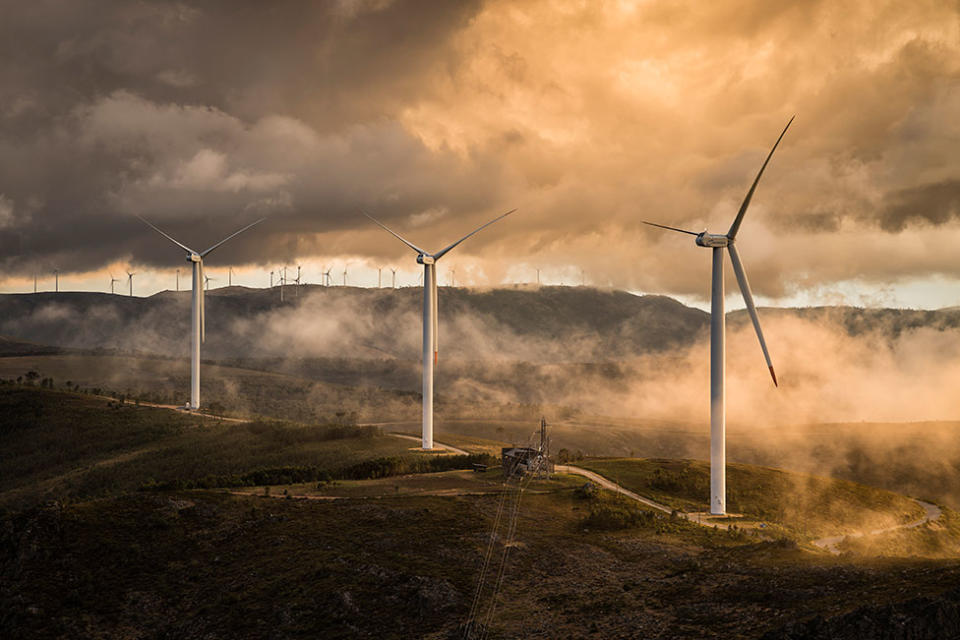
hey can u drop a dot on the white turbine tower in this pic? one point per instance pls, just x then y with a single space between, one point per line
130 281
430 344
719 242
197 317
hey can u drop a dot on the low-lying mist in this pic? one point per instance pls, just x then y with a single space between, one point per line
617 373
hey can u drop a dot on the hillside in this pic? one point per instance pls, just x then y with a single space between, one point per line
552 323
537 325
120 520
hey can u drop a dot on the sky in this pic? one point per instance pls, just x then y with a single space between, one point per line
434 117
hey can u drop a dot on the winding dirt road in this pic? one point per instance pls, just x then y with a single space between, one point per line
931 512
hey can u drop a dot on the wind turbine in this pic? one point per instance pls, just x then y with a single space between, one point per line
56 281
430 345
326 277
130 281
112 282
393 282
178 279
229 276
379 280
206 282
197 316
344 275
719 242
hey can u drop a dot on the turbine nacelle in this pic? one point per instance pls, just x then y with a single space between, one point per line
194 257
425 259
712 240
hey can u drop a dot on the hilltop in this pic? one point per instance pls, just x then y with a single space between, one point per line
535 325
118 521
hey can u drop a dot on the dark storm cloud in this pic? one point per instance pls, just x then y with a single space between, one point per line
205 115
937 204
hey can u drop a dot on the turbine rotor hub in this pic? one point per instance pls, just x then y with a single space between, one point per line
193 257
712 240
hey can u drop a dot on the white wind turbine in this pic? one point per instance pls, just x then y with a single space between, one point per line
430 344
198 320
719 242
130 281
113 281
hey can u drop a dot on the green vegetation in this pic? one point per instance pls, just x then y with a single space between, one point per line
69 446
808 506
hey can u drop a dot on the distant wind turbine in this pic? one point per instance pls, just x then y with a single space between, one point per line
393 282
198 320
719 242
430 340
178 279
229 276
326 277
56 281
113 281
206 282
130 281
344 275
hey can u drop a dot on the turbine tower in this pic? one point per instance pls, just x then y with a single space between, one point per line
178 279
56 281
326 277
113 281
719 242
206 282
130 281
197 316
430 345
393 282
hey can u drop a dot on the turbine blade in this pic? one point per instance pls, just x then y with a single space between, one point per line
735 227
179 244
663 226
442 252
751 308
396 235
232 235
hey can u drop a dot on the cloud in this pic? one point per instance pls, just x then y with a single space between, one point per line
436 116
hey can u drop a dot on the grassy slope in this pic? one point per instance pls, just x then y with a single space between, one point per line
232 391
203 564
808 505
62 445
